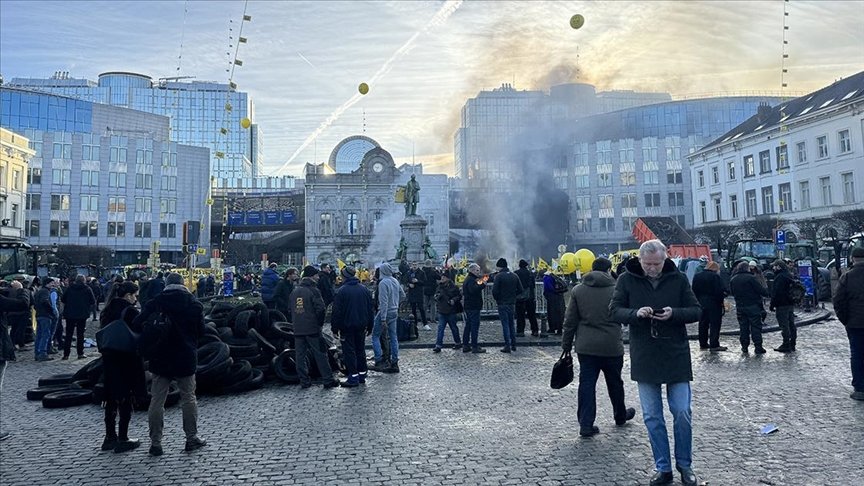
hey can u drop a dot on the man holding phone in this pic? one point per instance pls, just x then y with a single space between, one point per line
656 301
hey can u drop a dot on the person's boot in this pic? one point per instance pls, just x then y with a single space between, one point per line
380 366
784 348
126 445
631 412
589 432
760 349
688 477
466 349
478 350
194 443
662 477
353 381
109 443
792 345
362 377
393 368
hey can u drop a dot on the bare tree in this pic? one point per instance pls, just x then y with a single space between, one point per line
853 220
761 227
717 235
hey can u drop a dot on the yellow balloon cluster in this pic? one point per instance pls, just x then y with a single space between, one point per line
567 263
584 259
363 88
245 123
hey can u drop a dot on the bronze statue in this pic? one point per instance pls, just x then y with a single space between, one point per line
430 252
412 196
402 249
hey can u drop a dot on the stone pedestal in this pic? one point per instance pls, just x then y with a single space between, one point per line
414 233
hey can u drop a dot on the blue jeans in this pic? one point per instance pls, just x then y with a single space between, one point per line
390 317
507 312
678 395
44 333
472 328
856 357
443 321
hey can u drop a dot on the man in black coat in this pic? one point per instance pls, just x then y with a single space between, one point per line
748 293
526 302
7 349
656 301
472 302
849 306
782 304
78 302
307 314
430 286
179 321
352 319
326 284
20 321
709 289
415 280
505 289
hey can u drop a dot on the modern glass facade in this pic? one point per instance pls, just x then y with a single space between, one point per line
204 114
107 176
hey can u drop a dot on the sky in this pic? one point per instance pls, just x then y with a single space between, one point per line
303 61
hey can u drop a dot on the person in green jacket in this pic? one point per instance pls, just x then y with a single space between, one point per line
598 346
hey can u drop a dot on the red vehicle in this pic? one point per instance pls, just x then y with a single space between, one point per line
679 243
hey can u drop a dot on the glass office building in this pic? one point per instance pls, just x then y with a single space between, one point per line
106 176
204 114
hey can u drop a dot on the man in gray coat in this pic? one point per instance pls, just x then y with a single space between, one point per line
307 314
598 346
656 301
390 293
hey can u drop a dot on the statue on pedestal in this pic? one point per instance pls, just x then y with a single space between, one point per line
428 251
412 196
402 249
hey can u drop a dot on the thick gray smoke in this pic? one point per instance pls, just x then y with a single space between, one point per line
386 237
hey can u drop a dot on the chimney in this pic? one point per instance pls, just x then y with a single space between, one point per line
763 111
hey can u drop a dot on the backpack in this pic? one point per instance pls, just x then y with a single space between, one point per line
796 291
560 285
154 334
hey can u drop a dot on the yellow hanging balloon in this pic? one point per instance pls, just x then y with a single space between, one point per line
567 263
584 259
577 21
245 123
363 88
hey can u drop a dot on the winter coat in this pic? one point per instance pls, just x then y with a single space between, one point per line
587 318
282 295
390 292
78 301
447 296
747 290
42 303
415 289
506 287
327 287
177 353
526 278
659 350
123 372
23 316
352 307
97 290
430 281
307 308
472 293
849 298
709 289
7 349
157 285
780 289
269 279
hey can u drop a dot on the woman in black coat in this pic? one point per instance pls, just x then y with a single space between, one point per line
124 372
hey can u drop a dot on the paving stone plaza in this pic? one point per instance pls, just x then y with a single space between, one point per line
454 418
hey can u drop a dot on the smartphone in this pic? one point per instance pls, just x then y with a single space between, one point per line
657 311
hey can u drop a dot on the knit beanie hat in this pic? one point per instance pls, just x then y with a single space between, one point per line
309 271
348 272
501 263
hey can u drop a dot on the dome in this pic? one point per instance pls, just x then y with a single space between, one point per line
348 153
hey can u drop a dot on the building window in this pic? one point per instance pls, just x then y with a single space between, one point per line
652 199
730 169
785 194
673 148
802 152
715 175
59 228
768 200
16 180
676 199
63 146
118 149
143 204
583 225
652 177
607 224
782 157
90 147
845 141
142 230
628 178
582 182
604 152
117 229
822 146
59 202
626 150
117 204
61 176
804 187
825 182
168 206
628 200
353 221
703 212
31 228
89 203
14 215
143 181
88 228
326 227
749 167
604 180
34 175
627 223
116 179
681 220
764 161
674 176
700 177
733 206
144 156
750 197
169 159
169 183
430 218
848 189
167 230
606 201
718 213
33 202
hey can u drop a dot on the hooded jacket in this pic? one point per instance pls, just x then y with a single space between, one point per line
709 289
269 279
587 318
352 307
416 289
506 287
659 350
849 298
780 289
472 293
390 292
177 355
78 301
307 308
526 278
747 289
446 297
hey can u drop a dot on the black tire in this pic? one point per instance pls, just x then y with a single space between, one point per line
225 333
38 393
85 371
263 343
243 383
245 320
237 341
257 380
67 398
263 323
261 359
238 372
85 384
212 375
232 315
210 355
285 368
142 404
245 351
282 329
61 379
208 338
221 307
276 316
210 328
98 393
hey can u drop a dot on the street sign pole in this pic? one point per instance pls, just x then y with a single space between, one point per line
780 241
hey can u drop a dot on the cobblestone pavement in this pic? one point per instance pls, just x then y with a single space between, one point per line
454 418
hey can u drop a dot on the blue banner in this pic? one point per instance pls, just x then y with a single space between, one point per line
253 218
288 216
271 217
236 218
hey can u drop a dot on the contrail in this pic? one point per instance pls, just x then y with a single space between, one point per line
307 60
439 18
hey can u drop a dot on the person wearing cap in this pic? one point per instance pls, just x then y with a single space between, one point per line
849 307
505 289
352 320
554 295
526 301
783 306
472 293
748 292
269 281
307 314
175 357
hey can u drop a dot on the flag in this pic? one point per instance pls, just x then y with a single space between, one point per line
533 263
542 265
340 264
464 261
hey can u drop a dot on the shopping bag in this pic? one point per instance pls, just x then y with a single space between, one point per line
562 371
